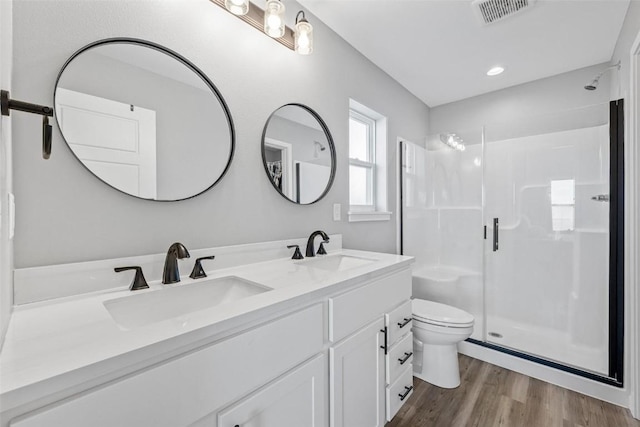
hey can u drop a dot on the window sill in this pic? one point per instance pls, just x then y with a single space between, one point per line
369 216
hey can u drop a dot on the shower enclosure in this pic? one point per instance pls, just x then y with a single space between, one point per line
518 224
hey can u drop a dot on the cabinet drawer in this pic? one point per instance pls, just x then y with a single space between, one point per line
296 399
399 392
185 389
399 322
352 310
399 357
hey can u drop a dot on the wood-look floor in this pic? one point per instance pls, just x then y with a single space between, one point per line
492 396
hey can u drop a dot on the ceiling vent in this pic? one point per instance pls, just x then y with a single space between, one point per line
490 11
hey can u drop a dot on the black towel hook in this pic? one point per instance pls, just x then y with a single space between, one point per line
7 104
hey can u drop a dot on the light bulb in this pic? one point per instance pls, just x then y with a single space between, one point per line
273 19
304 37
237 7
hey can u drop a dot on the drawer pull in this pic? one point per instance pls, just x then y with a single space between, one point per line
404 323
385 346
406 393
406 357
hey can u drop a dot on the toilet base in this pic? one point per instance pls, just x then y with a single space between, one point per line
439 365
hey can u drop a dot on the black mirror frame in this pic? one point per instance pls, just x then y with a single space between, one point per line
332 148
188 64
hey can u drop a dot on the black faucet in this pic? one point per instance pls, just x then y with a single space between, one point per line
310 250
171 274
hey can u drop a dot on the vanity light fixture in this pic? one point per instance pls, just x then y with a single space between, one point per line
237 7
271 22
495 71
274 19
303 35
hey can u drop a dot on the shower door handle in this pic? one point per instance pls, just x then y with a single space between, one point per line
495 234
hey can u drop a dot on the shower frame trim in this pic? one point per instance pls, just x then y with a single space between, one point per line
549 363
616 241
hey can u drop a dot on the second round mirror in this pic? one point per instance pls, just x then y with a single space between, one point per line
298 154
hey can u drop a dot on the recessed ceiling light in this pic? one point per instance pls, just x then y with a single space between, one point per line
495 71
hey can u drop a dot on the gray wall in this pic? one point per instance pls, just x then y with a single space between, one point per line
66 215
628 34
523 109
6 259
193 140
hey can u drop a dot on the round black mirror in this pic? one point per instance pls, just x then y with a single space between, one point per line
143 119
298 154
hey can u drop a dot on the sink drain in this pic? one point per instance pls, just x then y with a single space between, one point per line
495 335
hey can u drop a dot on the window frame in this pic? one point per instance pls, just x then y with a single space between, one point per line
369 164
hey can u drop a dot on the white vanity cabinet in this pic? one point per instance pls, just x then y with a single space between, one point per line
186 389
360 329
341 359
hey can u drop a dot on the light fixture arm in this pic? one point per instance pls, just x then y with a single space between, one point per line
299 19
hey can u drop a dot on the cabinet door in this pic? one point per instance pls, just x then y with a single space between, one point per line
294 400
357 379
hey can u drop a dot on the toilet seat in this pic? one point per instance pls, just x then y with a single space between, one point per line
440 314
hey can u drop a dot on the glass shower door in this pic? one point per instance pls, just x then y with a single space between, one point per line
547 239
441 219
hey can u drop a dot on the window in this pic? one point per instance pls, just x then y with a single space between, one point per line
563 199
362 166
367 164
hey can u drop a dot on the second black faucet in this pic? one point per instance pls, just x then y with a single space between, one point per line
310 252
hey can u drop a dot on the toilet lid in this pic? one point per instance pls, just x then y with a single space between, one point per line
440 314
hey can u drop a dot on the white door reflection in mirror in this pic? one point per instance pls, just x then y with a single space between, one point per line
311 179
123 149
279 158
298 154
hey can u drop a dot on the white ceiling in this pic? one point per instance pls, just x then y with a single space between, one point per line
439 50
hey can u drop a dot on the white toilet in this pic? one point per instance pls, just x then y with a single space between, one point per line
437 330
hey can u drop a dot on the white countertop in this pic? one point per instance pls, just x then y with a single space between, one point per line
62 344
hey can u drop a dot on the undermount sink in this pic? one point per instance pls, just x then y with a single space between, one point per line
149 307
337 262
